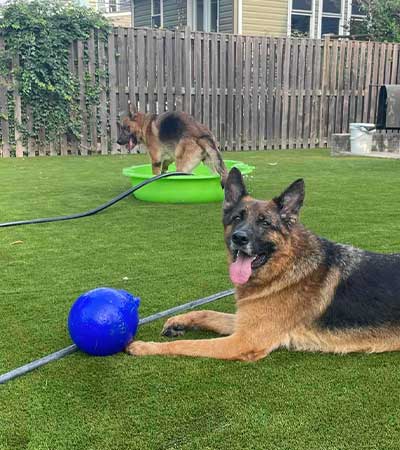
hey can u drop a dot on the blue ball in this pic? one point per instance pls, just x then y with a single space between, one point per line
103 321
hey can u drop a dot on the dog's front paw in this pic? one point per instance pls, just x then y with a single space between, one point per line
173 328
140 348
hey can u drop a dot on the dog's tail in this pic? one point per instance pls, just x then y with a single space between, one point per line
213 156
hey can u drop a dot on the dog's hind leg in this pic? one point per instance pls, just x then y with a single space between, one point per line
221 323
188 155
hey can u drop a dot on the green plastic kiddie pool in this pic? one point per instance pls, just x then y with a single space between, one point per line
202 187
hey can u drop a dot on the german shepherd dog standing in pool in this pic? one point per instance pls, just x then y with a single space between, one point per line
293 288
172 137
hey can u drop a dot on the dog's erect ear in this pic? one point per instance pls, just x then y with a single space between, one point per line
290 202
132 111
235 189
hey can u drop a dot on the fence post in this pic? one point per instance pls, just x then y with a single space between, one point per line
188 71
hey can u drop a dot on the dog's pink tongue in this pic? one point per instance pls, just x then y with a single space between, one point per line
240 270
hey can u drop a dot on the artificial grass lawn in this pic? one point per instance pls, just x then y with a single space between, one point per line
171 254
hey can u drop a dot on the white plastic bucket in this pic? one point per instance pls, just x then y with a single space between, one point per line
361 135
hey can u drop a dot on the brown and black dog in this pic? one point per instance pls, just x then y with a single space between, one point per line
293 288
172 137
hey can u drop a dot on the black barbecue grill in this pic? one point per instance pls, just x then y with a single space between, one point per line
388 117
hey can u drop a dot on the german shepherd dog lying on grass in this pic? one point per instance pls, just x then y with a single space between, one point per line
172 137
293 288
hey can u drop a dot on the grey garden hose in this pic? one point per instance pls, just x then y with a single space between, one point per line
73 348
91 212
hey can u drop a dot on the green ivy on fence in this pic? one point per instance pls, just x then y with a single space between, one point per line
39 35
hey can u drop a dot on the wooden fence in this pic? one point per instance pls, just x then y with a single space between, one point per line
253 92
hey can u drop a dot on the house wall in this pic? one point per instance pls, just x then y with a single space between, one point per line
268 17
175 13
142 13
226 8
120 19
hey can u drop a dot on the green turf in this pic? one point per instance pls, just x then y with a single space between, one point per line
172 254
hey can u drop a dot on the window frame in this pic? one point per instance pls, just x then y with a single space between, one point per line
104 6
302 12
206 16
341 16
161 14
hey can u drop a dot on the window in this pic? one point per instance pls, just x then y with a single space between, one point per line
214 13
332 17
301 18
359 9
156 13
332 6
114 6
206 15
300 25
330 25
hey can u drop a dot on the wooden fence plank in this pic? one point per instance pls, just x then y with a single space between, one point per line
160 72
301 90
368 74
151 70
103 98
270 94
254 93
206 80
230 63
246 94
214 84
93 107
308 92
178 71
333 92
222 90
197 76
142 82
292 137
169 69
132 65
324 101
112 81
378 49
238 92
263 93
188 71
285 92
360 86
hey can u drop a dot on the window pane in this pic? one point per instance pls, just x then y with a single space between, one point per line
156 21
332 6
300 25
357 9
304 5
330 25
156 7
214 15
112 6
200 15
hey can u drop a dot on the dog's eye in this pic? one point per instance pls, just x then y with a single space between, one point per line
264 221
236 219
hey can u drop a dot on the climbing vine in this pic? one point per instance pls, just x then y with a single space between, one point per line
39 34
